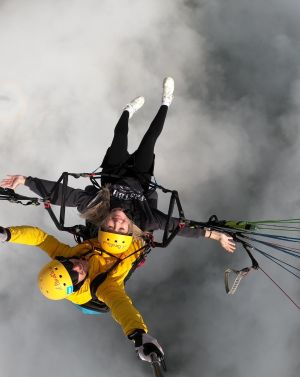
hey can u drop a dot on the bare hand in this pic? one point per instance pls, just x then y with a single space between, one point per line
227 243
12 181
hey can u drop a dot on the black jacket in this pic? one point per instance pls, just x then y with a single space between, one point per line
127 193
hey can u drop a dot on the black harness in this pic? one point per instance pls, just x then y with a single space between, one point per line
95 304
88 231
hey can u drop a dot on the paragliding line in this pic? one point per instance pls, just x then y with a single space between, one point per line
289 297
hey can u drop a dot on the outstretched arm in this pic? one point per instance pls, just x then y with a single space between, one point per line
225 240
73 197
192 231
121 306
123 311
13 181
33 236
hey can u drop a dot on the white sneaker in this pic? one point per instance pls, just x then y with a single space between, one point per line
134 105
168 90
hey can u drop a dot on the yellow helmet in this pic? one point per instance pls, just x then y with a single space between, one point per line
114 243
54 281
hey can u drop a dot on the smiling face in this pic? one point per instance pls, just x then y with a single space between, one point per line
117 222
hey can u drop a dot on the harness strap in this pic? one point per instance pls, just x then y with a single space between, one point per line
240 274
100 278
96 305
11 196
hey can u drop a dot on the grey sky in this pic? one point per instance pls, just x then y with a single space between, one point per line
230 147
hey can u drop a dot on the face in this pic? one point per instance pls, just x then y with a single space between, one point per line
117 221
80 266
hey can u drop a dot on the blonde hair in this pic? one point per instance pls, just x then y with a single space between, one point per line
98 213
137 233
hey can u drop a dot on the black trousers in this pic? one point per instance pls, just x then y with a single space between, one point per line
118 159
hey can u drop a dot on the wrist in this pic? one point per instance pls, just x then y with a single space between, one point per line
208 232
137 337
212 234
22 179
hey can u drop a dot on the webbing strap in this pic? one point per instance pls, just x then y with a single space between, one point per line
100 278
11 196
240 274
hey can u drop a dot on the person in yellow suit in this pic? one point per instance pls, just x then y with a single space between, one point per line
91 275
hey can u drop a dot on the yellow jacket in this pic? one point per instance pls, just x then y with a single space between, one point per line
111 291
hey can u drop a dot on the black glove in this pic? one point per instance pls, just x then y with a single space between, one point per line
145 344
4 234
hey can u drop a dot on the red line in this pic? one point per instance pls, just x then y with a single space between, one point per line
297 306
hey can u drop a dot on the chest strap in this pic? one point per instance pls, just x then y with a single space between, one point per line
95 303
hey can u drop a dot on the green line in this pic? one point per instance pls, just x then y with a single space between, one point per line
283 229
290 221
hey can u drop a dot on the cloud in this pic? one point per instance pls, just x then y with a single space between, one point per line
230 146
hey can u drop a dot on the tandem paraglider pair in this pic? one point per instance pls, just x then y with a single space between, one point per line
121 215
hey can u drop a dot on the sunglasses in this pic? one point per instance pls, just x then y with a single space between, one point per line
69 267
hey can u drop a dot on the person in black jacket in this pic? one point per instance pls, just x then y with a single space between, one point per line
125 203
